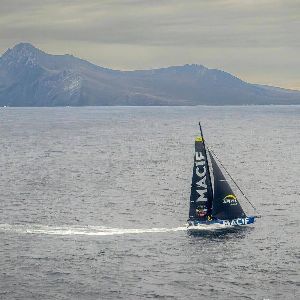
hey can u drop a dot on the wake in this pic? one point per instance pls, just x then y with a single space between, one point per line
81 230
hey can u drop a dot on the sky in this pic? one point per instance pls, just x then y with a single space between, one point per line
255 40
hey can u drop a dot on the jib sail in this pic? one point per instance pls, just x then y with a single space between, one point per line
201 188
225 204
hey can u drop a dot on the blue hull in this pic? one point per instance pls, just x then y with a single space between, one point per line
235 222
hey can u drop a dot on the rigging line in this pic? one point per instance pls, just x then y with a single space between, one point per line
233 180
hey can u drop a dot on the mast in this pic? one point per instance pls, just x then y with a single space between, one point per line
208 172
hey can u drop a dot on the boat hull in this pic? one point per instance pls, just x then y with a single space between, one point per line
217 224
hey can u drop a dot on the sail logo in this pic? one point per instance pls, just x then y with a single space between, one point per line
201 186
230 199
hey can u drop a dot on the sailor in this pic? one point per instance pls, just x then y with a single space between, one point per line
201 211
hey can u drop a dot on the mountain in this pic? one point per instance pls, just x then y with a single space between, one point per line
31 77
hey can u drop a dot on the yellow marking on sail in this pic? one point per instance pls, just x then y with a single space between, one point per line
199 139
230 197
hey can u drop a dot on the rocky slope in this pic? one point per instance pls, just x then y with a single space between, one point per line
31 77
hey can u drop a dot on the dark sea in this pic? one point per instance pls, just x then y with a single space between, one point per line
94 201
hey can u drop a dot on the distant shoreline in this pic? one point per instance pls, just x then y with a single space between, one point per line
152 106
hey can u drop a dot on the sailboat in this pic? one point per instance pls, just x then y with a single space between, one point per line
213 204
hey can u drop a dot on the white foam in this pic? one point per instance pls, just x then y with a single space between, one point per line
86 230
208 227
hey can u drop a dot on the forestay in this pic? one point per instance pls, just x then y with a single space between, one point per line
225 203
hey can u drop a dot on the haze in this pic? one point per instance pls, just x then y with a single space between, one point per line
257 40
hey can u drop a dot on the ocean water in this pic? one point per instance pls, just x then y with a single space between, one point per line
94 200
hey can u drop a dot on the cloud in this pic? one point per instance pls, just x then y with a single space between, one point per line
193 23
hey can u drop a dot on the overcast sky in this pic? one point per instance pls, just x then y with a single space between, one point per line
256 40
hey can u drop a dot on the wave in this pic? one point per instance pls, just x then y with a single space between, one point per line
81 230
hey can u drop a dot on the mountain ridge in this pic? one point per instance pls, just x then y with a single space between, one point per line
32 77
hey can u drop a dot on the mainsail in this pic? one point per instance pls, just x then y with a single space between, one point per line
201 188
225 204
